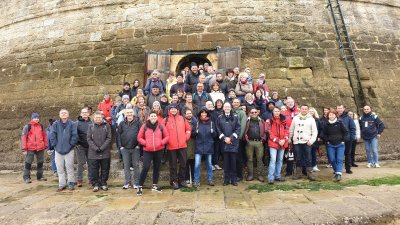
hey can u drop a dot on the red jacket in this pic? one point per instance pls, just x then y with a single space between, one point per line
290 113
153 141
278 130
179 131
105 107
35 139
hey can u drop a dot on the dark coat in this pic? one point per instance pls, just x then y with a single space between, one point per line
370 126
200 100
229 126
64 137
205 132
349 124
335 133
224 87
99 139
125 92
174 88
192 80
82 126
150 83
127 133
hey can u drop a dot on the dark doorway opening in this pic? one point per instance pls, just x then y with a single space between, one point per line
199 59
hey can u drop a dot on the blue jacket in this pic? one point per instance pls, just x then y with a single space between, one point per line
205 132
64 137
229 126
370 126
349 124
150 83
48 133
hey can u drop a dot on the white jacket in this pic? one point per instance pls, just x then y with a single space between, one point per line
358 131
303 130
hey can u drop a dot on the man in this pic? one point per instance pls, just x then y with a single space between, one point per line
179 133
64 137
230 79
289 114
126 90
268 113
303 133
193 77
222 84
153 96
200 97
254 135
179 85
33 142
371 129
190 146
236 72
351 127
129 147
154 81
241 157
261 84
210 76
105 106
83 123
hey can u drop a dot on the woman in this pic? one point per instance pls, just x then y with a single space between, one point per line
354 116
171 80
153 136
204 132
249 101
139 92
335 134
135 87
324 120
260 101
243 86
275 99
141 110
217 144
314 148
189 104
278 141
216 92
180 94
157 108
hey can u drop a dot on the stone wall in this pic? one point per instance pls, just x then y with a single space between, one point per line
66 53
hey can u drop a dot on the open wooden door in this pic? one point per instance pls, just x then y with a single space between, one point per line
228 58
160 60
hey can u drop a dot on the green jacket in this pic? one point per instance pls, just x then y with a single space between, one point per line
242 119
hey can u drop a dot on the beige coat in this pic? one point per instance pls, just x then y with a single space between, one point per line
303 130
243 89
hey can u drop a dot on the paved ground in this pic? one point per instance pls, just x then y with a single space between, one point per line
38 203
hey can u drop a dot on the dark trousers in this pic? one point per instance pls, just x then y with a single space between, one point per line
189 169
175 157
303 154
240 159
147 158
230 173
347 155
28 164
99 170
353 151
314 154
217 152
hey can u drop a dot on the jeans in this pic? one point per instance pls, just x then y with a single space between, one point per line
174 157
275 163
217 152
314 153
66 161
147 158
197 162
371 148
257 147
28 164
230 173
353 151
131 157
335 153
99 169
347 155
303 154
53 161
82 153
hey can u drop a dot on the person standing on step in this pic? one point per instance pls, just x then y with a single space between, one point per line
99 154
128 144
64 137
33 142
254 135
153 136
303 133
335 134
371 129
83 123
351 126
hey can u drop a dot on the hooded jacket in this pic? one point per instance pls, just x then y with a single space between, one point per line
64 136
243 89
82 127
105 107
192 79
303 130
153 140
127 133
278 129
335 133
99 138
229 126
179 131
150 83
35 139
349 124
242 120
370 126
205 133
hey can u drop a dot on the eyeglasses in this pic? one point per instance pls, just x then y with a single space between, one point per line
253 112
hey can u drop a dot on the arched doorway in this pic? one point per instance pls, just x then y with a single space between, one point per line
186 61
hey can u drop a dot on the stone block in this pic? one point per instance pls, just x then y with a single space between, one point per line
173 39
160 31
378 47
296 62
125 33
318 52
299 73
95 36
276 73
276 63
306 44
108 35
295 36
214 37
291 52
71 72
246 19
193 29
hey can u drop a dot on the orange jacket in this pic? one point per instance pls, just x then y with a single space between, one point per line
179 131
105 107
34 139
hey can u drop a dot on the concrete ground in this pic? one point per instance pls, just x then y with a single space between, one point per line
38 203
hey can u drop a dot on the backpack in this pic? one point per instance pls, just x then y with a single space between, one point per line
29 127
197 126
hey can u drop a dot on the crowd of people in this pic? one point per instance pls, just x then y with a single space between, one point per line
199 114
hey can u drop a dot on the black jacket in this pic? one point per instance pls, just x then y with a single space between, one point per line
127 133
229 126
335 133
124 92
174 88
192 80
82 127
99 139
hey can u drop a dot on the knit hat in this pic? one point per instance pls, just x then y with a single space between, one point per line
125 96
155 86
35 115
156 103
173 105
193 64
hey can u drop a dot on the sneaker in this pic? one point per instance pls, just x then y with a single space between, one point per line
196 184
213 168
80 183
175 185
131 168
156 188
377 166
59 189
71 186
315 169
211 183
217 167
139 191
328 166
126 186
27 181
135 186
338 177
95 188
280 179
369 165
183 184
104 188
270 182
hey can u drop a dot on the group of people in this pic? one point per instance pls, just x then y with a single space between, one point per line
196 114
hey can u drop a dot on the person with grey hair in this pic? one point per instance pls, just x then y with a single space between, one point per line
64 137
82 123
154 81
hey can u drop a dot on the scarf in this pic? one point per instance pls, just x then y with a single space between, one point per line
303 117
151 126
332 121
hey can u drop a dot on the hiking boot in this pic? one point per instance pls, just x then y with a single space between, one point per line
250 177
71 186
261 178
139 191
95 188
104 188
174 185
183 184
156 188
80 182
310 175
280 179
27 181
211 183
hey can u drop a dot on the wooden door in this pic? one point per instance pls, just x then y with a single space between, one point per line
157 60
228 58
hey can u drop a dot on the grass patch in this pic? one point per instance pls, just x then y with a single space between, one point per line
101 195
316 186
188 189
